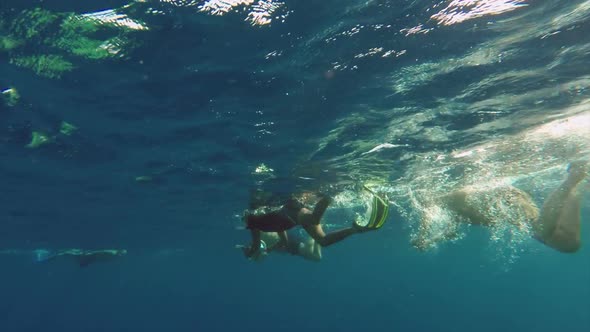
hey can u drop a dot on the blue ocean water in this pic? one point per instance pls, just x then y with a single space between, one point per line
146 125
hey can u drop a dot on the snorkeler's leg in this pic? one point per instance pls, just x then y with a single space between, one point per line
559 225
282 244
307 217
317 251
318 234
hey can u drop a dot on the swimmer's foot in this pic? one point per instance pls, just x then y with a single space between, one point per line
577 171
361 228
357 228
364 228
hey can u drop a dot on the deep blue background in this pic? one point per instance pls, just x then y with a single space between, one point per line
186 106
378 284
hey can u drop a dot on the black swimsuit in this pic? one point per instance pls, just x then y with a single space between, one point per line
277 221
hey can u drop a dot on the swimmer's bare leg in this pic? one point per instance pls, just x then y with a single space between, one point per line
559 225
310 221
307 217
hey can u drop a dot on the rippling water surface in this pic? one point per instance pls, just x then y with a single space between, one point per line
146 124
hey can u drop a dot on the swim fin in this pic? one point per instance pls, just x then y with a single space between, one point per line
378 213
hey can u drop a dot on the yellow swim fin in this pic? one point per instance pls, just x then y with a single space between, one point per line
379 211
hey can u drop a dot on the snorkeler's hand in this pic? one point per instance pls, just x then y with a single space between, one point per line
245 250
248 252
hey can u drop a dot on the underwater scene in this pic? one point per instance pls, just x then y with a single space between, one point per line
295 165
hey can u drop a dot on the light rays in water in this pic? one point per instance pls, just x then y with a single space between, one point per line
533 118
458 11
114 18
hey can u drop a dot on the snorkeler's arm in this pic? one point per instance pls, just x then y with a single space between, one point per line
282 243
255 243
284 239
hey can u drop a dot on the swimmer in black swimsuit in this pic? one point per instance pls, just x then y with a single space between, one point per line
293 213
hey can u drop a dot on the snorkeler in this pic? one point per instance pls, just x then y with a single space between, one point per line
82 257
297 245
293 213
556 224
